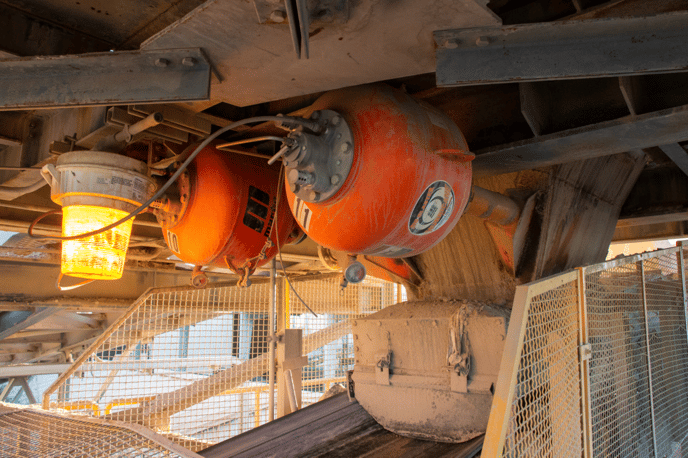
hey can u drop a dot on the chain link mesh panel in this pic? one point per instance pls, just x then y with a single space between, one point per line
668 343
619 383
29 433
545 411
632 320
193 364
328 364
187 363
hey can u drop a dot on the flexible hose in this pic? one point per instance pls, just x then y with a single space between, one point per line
279 119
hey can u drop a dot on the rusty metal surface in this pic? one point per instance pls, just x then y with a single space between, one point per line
563 50
175 75
381 40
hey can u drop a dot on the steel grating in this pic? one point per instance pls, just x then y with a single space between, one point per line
30 433
596 363
192 365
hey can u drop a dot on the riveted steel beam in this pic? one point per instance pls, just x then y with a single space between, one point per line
121 78
563 50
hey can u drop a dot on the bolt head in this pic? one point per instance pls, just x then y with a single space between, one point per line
162 63
188 61
345 148
314 196
335 120
278 16
326 15
315 115
292 176
482 41
450 44
338 162
335 179
294 188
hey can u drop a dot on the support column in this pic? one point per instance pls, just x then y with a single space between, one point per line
290 360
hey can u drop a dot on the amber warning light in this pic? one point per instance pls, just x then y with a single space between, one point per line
96 189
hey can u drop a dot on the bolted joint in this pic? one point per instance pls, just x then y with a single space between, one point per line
300 177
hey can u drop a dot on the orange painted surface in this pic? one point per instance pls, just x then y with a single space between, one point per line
395 171
230 210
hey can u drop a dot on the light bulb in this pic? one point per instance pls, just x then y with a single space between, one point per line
100 256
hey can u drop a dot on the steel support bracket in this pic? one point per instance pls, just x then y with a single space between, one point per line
459 382
563 50
584 352
110 78
384 361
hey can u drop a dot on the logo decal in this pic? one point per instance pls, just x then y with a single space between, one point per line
432 209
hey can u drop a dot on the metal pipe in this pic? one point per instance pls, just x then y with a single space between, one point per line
11 192
113 143
291 391
271 321
492 206
650 383
18 169
149 121
41 209
264 138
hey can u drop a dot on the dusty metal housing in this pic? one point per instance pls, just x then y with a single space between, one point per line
419 363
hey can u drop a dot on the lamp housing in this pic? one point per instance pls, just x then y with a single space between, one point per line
96 189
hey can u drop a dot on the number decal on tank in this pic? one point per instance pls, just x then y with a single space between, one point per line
302 213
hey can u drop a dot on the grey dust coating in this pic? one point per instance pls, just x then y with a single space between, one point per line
562 50
125 77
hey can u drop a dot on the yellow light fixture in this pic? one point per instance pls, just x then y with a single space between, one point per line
100 256
96 189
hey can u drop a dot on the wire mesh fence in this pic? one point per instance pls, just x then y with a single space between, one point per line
668 347
619 382
193 365
541 416
596 363
30 433
328 364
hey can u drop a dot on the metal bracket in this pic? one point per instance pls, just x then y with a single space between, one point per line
350 385
459 383
384 361
300 15
460 355
585 352
294 363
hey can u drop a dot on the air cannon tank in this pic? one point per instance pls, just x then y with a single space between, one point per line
227 212
389 176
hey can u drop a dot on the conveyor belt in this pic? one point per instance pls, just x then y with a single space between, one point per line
335 427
